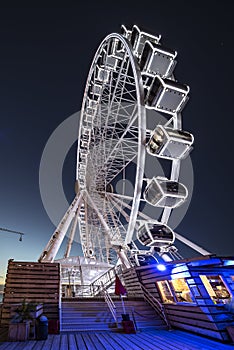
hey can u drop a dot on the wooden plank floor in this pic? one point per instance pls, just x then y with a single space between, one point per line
147 340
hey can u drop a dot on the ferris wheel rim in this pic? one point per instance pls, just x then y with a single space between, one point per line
137 72
141 125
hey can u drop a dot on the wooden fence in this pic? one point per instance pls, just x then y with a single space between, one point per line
34 282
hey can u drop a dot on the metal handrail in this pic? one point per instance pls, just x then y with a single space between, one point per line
95 288
106 279
133 312
155 303
110 303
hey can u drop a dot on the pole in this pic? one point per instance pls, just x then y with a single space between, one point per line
123 306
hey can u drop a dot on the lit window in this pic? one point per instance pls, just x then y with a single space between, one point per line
165 291
176 290
182 291
216 288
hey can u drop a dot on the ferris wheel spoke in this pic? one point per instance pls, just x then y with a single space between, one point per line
120 97
117 100
124 137
141 215
115 171
120 204
111 149
121 196
99 214
128 91
121 139
118 226
120 209
102 216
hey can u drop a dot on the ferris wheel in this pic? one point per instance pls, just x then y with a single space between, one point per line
131 74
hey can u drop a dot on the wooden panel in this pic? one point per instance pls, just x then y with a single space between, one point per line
34 282
193 322
132 283
187 314
199 330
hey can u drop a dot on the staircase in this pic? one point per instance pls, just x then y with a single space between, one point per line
94 315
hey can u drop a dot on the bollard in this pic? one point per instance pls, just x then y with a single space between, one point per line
42 328
125 317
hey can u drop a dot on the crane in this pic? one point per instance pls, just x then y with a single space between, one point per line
12 231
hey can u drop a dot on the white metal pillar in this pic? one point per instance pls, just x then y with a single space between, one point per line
56 239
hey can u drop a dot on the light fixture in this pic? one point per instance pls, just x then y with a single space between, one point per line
161 267
21 238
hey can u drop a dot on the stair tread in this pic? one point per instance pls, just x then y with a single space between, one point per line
88 315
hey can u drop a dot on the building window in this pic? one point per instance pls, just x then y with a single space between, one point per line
165 291
173 291
182 291
216 289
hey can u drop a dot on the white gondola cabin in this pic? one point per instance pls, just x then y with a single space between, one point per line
156 59
96 89
102 75
169 143
109 60
126 32
155 234
162 192
138 39
165 95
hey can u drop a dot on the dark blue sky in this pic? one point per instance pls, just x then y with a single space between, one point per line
44 62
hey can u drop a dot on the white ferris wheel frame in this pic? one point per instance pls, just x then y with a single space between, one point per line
141 128
77 212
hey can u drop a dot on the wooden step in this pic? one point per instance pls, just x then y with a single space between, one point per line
87 315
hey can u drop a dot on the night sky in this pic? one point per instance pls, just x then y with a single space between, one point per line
44 61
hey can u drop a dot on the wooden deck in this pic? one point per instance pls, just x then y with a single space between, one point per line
148 340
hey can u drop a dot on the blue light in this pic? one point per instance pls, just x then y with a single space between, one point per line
228 262
161 267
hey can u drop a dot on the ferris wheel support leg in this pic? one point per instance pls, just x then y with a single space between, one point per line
123 258
120 251
72 234
56 239
191 244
